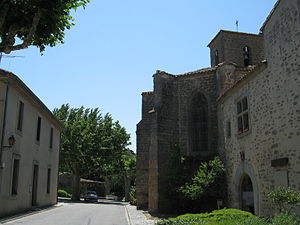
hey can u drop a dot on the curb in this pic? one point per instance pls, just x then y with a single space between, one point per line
28 213
127 215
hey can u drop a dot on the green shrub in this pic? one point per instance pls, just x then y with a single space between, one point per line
132 195
205 181
284 198
285 219
255 221
63 193
217 217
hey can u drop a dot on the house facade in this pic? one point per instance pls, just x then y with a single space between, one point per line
29 150
244 108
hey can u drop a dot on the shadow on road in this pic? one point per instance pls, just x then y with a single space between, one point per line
100 201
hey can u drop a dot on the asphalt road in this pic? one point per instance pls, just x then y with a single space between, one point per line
105 213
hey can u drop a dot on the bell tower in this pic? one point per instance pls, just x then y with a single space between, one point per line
242 49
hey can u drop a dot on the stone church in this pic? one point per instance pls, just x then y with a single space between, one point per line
244 108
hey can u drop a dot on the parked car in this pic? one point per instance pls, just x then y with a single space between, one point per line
91 196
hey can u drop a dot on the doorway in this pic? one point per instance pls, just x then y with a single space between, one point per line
35 185
247 195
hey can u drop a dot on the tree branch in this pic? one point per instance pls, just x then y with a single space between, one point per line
7 44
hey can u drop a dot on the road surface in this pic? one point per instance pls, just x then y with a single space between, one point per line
104 213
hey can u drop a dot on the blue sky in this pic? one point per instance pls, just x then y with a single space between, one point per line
109 56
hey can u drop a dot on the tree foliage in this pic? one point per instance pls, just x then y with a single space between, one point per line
35 22
205 180
91 144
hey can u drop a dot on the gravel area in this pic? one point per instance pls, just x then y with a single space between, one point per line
139 217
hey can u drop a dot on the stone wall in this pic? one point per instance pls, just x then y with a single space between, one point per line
188 86
230 47
274 113
143 144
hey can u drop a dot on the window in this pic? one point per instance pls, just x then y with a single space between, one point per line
38 130
15 177
216 57
242 115
246 56
228 129
51 138
198 124
20 116
48 180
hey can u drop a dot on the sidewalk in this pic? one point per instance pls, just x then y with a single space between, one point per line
139 217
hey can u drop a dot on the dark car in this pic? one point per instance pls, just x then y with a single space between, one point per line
91 196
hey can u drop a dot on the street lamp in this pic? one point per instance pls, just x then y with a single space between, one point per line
11 142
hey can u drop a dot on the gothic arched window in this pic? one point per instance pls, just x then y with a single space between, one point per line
199 124
246 55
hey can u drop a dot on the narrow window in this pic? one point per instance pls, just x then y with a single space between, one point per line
242 115
38 130
198 124
20 116
48 180
15 177
228 129
216 57
246 56
51 138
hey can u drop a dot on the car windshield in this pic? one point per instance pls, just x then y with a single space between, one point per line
91 193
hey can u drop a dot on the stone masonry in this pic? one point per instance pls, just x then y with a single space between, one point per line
245 108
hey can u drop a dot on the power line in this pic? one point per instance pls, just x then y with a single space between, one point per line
9 56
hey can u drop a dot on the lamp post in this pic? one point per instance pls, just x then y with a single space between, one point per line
11 142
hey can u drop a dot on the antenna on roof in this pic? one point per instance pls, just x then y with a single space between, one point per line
237 25
9 56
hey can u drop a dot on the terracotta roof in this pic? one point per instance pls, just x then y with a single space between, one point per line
196 72
249 70
270 15
17 82
232 32
148 93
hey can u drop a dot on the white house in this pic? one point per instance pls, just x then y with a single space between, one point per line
29 148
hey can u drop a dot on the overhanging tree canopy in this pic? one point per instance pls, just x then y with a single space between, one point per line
35 22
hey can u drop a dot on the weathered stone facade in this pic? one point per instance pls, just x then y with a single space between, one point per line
245 108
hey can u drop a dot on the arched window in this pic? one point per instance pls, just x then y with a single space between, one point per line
246 55
216 57
198 123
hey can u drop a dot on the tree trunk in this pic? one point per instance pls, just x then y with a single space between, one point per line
107 186
127 188
76 187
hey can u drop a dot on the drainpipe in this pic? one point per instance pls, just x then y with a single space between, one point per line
3 127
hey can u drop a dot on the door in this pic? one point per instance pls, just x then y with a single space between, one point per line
35 184
247 194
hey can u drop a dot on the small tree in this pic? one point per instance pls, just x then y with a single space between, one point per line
284 198
205 181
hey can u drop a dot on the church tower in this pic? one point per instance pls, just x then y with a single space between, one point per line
242 49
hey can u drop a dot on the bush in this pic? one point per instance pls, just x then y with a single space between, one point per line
63 193
205 181
217 217
132 195
285 219
255 221
284 198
